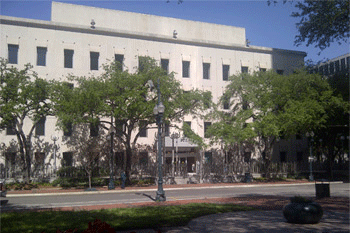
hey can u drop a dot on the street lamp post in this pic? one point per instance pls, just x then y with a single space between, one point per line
54 139
311 158
158 111
173 136
110 136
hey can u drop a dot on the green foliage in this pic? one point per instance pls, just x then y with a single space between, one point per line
119 218
322 22
79 182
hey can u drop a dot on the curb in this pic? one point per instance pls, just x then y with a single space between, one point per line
154 189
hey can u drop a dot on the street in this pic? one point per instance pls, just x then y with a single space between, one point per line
134 196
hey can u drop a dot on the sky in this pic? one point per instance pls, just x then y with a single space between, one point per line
268 26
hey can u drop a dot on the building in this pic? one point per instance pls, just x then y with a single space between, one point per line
79 39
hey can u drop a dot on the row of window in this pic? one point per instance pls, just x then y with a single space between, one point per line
94 62
333 67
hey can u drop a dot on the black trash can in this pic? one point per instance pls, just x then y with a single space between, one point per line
247 177
322 188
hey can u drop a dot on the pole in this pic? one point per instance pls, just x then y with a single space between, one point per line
160 196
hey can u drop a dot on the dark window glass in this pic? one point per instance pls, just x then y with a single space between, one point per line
41 56
206 70
94 129
68 58
337 66
283 156
165 65
142 64
348 63
68 129
244 69
185 69
143 129
10 129
299 156
225 72
188 122
208 156
342 64
226 103
206 127
262 70
67 159
331 68
280 72
13 54
120 59
167 129
40 127
94 60
325 68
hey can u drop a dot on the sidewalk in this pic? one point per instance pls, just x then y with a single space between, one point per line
269 218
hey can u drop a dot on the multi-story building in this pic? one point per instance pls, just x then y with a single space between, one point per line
79 39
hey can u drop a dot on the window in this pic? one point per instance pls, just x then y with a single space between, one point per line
94 129
41 56
325 68
67 160
208 157
167 129
68 58
119 58
143 129
283 156
40 127
337 66
331 68
185 69
206 127
142 63
244 69
280 72
225 72
165 65
188 123
68 129
206 70
10 129
262 69
226 103
299 156
94 60
13 54
342 64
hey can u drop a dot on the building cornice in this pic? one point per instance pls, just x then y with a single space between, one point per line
14 21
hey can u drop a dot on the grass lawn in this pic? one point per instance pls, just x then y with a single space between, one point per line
119 219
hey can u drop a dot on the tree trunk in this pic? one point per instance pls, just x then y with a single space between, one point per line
89 174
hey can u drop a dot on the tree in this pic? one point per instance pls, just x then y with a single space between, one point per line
125 102
265 106
23 96
322 22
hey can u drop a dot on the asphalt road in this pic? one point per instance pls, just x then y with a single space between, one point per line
133 196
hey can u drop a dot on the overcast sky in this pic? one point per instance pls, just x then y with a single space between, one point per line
269 26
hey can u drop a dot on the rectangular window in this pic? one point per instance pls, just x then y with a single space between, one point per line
208 157
225 72
10 129
348 63
342 64
13 54
262 69
40 127
280 72
325 68
167 129
143 129
94 60
206 127
206 70
283 156
337 66
67 160
185 69
94 129
119 58
226 103
68 58
68 129
165 65
331 68
41 56
188 123
244 69
142 63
